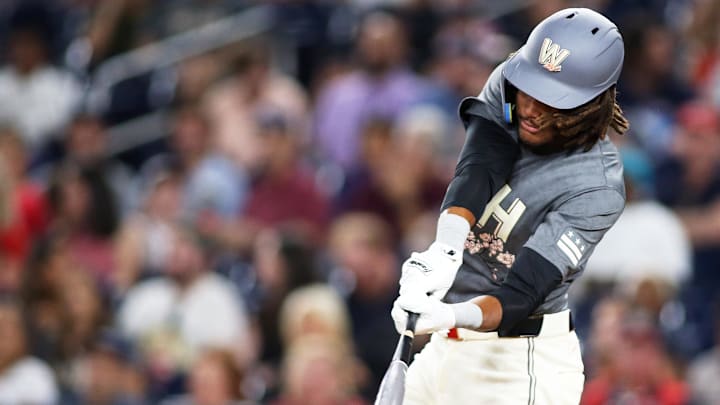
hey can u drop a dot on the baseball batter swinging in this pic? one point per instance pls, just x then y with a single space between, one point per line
537 185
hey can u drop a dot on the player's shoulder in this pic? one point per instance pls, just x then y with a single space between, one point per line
563 176
489 102
598 172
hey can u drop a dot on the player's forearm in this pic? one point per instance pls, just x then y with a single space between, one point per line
492 312
482 313
462 212
531 279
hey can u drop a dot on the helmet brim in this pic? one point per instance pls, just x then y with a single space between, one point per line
533 79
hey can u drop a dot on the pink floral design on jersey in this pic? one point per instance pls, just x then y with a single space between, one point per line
490 246
506 258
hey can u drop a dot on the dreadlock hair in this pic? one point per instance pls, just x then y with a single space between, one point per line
583 126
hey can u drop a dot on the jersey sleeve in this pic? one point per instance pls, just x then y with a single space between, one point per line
489 103
569 233
489 153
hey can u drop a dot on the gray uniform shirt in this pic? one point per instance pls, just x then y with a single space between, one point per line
559 205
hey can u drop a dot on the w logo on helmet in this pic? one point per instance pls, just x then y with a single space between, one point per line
551 56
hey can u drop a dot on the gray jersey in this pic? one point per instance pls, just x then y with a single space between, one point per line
558 205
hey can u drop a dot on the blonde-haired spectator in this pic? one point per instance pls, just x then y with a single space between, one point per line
315 309
320 371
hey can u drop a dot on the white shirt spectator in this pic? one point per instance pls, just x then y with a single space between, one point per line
648 240
209 313
28 381
39 103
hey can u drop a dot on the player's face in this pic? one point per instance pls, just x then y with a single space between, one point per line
528 112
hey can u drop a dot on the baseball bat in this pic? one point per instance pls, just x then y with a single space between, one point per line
392 387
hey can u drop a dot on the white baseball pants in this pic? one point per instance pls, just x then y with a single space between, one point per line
483 369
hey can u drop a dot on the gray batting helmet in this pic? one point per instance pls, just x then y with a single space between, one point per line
569 58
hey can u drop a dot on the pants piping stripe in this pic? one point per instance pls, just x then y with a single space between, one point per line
531 371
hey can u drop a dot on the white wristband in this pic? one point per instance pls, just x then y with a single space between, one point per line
467 315
452 230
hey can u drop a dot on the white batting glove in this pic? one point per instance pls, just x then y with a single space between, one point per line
430 272
434 314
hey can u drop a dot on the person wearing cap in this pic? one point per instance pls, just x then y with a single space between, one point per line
537 184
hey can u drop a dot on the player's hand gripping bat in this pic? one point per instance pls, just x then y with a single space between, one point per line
392 387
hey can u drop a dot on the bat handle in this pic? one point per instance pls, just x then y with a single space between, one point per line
407 338
412 321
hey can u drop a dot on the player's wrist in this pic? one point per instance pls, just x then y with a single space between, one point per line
467 315
452 231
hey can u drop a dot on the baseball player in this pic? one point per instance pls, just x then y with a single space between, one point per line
537 185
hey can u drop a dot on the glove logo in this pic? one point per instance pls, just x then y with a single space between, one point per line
450 252
422 266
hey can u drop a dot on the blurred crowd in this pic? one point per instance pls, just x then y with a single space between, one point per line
247 249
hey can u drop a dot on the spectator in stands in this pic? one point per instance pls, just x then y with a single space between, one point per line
35 97
64 310
83 208
465 50
24 379
314 310
648 240
143 242
215 379
175 316
212 184
254 87
282 173
381 86
702 46
637 370
44 311
86 144
689 182
652 88
281 264
405 174
26 211
87 312
703 373
108 373
318 371
364 253
196 75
